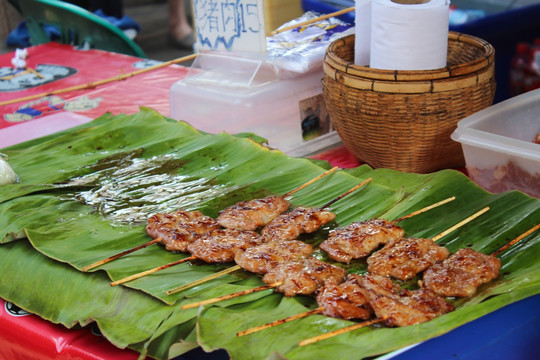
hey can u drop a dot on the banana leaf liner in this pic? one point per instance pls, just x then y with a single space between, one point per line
85 194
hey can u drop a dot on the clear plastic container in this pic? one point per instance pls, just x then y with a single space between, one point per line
246 94
498 144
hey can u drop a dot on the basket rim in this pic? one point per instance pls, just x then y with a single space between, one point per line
332 60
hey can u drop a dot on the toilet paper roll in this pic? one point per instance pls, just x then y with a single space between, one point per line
409 34
362 32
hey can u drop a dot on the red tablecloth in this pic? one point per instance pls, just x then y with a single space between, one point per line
61 66
26 336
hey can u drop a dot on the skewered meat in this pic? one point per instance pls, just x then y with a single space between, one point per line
221 245
249 215
404 258
347 300
359 239
179 228
303 276
402 307
461 273
263 258
301 220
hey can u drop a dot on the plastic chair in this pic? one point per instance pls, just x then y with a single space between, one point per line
77 26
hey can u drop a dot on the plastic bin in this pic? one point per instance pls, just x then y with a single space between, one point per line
235 94
497 142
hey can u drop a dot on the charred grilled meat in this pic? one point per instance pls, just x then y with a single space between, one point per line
222 245
301 220
461 273
303 276
359 239
179 228
404 258
348 300
249 215
400 307
263 258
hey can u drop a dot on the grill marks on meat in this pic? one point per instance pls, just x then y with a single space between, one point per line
359 297
461 273
402 307
179 228
222 245
300 220
249 215
303 276
359 239
263 258
403 259
348 300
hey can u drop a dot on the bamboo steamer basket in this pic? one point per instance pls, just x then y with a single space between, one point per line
403 120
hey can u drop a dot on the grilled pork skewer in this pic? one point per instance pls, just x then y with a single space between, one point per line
179 228
303 277
392 305
214 246
276 251
175 230
347 300
461 273
302 220
386 306
359 239
263 257
464 271
361 297
252 214
404 258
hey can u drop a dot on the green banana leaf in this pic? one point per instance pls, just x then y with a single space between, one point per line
85 194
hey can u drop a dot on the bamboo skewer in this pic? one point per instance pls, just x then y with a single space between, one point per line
114 257
203 280
314 20
157 240
93 84
339 331
461 223
151 271
229 296
328 172
333 201
524 235
281 321
427 208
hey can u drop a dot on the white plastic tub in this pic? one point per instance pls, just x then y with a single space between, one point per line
234 94
498 145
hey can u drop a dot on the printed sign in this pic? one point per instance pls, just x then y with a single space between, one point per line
231 25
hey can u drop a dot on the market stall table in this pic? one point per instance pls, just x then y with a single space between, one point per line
47 115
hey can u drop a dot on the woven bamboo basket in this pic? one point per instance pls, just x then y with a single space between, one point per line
403 119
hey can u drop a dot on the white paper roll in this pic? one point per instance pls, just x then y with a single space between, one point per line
362 32
408 35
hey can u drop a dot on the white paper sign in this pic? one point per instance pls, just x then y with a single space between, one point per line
231 25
